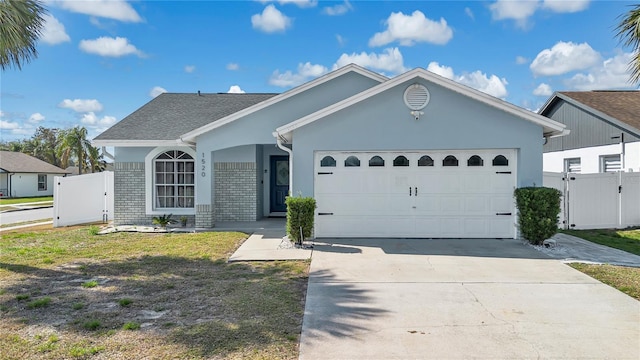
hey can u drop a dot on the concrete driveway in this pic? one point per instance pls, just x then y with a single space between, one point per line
454 299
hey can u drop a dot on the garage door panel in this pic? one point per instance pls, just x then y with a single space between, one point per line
417 201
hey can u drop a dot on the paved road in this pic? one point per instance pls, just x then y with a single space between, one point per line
26 215
459 299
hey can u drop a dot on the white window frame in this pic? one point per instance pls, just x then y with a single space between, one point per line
567 166
603 162
43 183
149 182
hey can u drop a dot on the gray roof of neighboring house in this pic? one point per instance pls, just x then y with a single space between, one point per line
16 162
170 115
621 105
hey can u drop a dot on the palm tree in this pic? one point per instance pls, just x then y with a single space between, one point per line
74 144
21 22
96 160
629 33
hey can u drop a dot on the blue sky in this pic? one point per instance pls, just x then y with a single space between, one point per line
101 60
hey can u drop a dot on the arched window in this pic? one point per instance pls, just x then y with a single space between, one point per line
352 161
174 180
328 161
426 160
475 160
376 161
401 161
450 160
500 160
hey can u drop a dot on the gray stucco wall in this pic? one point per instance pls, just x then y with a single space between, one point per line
451 121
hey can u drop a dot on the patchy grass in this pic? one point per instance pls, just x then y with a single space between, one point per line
42 302
625 279
625 240
14 201
176 291
90 284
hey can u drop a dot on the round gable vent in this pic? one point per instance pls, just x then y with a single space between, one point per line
416 97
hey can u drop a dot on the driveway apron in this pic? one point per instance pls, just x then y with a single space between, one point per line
459 298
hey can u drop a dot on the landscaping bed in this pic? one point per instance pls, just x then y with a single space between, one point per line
65 293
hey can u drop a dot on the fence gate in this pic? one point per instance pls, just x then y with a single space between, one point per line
597 201
83 199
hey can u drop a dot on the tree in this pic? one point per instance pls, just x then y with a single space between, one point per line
21 23
96 160
74 144
44 143
628 31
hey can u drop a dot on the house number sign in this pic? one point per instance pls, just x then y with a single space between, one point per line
204 166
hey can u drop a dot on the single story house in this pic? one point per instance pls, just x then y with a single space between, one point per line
605 131
22 175
416 155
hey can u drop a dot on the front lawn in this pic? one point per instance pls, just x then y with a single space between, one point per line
625 279
14 201
67 294
626 240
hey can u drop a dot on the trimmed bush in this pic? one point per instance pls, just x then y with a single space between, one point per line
300 213
538 209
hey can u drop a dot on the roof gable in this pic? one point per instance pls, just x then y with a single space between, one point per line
170 115
551 128
351 68
17 162
618 107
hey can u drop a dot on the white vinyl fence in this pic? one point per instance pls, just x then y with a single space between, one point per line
597 201
83 199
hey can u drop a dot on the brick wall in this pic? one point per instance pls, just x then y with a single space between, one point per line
204 216
129 188
235 191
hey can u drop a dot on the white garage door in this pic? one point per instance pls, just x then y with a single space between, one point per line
432 194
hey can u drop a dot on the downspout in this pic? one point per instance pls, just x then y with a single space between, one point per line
280 145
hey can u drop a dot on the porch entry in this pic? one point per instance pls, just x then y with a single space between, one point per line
279 183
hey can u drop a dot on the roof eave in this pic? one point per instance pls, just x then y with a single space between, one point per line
138 143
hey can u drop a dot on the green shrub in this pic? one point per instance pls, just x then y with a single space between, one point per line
300 213
163 220
93 230
538 209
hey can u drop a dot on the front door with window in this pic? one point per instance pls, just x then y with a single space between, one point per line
279 183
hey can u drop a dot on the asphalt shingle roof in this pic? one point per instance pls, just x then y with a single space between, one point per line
621 105
17 162
170 115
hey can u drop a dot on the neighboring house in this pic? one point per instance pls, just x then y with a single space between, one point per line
605 131
416 155
22 175
73 170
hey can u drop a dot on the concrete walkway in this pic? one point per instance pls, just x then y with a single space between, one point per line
572 249
459 299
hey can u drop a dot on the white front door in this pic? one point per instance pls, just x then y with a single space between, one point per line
434 194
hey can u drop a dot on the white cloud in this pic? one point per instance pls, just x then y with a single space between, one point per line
409 29
469 13
521 60
519 11
300 3
338 9
53 31
8 125
157 90
81 105
612 73
233 66
271 20
108 46
90 118
111 9
566 6
492 85
543 90
189 68
304 73
235 89
36 118
340 39
390 60
444 71
564 57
